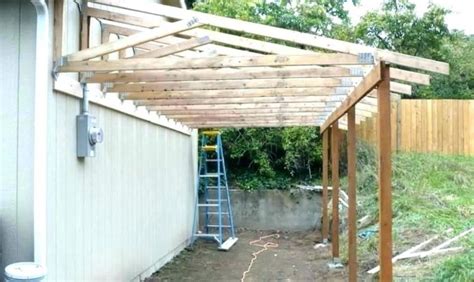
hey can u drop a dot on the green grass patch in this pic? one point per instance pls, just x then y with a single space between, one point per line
431 195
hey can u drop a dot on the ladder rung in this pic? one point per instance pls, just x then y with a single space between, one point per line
210 175
211 132
216 213
208 205
206 235
216 200
217 226
213 160
215 187
209 148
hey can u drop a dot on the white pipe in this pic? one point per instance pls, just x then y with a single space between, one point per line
40 130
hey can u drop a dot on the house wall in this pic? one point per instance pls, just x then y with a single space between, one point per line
118 216
17 52
124 212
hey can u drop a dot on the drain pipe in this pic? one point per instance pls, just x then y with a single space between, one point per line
40 130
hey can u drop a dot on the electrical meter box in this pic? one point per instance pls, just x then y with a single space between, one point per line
88 135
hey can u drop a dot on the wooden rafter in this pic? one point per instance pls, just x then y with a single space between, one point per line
283 34
200 63
220 101
366 85
133 40
175 48
224 74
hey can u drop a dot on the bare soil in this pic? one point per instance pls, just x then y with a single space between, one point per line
294 259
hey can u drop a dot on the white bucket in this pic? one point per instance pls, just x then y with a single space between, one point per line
24 271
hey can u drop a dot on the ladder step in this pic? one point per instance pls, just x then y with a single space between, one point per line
208 205
209 148
215 187
211 175
217 226
213 160
216 213
206 235
216 200
211 132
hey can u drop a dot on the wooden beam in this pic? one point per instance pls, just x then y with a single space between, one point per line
385 176
58 29
175 48
221 50
226 124
226 84
133 40
230 93
223 101
223 74
335 189
400 88
248 119
147 20
199 63
85 22
410 76
365 86
325 229
241 115
319 105
238 111
351 192
284 34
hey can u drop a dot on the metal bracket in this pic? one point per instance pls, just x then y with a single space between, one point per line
58 63
107 85
86 75
346 82
357 72
366 58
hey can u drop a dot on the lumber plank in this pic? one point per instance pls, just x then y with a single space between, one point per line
175 48
222 101
410 76
325 228
226 84
385 175
319 105
335 189
369 82
199 63
351 191
230 93
283 34
400 88
133 40
222 74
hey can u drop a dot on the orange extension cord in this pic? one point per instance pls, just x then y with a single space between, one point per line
265 247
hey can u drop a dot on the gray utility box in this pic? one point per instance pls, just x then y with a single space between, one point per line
88 135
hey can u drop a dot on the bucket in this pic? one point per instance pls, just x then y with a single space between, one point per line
24 271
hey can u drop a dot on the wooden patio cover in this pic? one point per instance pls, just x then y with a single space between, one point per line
206 78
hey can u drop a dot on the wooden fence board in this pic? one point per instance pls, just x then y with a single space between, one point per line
437 126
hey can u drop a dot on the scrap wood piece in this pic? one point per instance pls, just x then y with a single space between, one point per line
430 253
405 253
448 242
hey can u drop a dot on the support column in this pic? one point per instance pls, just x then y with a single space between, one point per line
335 190
385 175
351 191
325 185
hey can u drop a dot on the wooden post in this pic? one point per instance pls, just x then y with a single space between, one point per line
58 29
385 174
352 210
85 22
325 185
335 189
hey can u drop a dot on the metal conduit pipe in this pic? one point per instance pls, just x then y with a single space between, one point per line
42 79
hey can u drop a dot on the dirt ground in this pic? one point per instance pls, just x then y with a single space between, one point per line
293 260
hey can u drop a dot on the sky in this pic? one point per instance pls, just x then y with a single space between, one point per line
461 16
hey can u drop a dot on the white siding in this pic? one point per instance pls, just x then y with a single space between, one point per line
17 52
124 212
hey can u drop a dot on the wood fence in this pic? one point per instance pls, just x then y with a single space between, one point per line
440 126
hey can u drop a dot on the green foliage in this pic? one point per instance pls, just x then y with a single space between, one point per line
303 149
459 268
